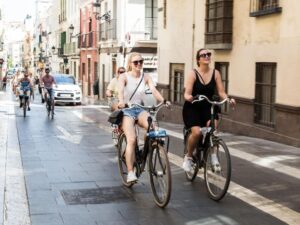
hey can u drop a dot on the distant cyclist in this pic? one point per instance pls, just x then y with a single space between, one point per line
48 82
25 87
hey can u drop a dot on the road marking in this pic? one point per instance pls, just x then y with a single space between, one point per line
252 198
267 162
76 139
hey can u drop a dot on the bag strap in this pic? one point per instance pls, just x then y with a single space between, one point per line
137 87
199 75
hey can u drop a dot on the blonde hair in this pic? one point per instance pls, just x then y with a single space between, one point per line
133 54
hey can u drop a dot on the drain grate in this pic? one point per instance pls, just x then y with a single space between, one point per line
96 196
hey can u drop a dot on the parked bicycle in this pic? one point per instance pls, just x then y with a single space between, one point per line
156 149
217 179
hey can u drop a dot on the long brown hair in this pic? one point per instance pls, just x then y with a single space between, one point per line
128 67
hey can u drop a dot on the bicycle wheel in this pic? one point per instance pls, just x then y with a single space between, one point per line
191 175
48 107
217 182
121 160
52 110
24 105
160 174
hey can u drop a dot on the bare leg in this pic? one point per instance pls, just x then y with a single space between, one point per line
193 139
129 130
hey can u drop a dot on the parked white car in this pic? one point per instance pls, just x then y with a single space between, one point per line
67 91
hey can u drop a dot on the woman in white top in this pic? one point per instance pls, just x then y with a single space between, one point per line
127 85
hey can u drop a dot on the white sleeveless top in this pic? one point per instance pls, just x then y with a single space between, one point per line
131 85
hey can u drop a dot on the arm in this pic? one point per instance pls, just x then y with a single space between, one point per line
189 86
121 85
155 92
109 92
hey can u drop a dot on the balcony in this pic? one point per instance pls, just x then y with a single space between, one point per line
264 7
108 30
60 52
151 28
70 48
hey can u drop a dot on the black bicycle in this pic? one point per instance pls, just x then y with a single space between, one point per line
217 179
50 103
25 101
156 149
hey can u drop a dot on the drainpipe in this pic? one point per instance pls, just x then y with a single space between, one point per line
193 34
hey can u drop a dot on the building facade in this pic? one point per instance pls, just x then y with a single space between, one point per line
254 46
88 48
125 27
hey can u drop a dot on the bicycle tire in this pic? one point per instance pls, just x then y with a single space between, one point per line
191 175
217 182
24 106
52 110
121 160
157 155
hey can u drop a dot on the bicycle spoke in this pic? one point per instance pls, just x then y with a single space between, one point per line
160 175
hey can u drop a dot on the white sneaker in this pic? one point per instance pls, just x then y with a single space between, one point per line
131 177
215 163
187 164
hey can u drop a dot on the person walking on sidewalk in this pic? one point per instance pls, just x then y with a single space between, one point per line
132 90
112 90
202 80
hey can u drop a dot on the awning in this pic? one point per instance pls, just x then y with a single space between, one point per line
144 47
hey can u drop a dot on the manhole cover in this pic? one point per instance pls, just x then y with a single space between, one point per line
96 196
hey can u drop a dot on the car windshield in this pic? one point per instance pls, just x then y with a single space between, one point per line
64 80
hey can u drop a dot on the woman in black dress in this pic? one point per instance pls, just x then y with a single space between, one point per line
201 81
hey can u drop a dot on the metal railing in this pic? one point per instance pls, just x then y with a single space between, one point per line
264 7
108 30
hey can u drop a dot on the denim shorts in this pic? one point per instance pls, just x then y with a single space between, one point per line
133 112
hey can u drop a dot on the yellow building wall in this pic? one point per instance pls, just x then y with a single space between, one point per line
270 38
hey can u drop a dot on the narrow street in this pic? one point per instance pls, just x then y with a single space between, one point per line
64 171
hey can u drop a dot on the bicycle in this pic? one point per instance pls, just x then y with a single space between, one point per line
25 101
217 180
155 147
50 103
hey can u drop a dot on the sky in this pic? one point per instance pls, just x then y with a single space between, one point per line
16 10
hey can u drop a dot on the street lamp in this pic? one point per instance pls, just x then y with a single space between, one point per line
106 16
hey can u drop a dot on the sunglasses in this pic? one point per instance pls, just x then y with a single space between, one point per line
205 55
122 71
138 62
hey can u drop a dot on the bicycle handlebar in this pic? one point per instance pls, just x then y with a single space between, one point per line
151 108
199 98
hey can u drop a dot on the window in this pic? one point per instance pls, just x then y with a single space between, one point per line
151 19
264 7
218 34
265 88
177 83
223 68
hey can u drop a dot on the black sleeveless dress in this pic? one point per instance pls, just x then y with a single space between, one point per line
198 114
